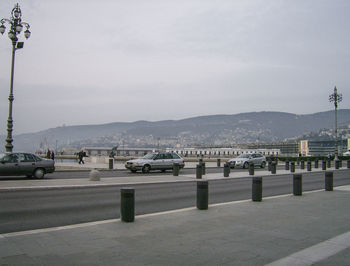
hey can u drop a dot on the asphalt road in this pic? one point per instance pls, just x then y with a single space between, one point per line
74 174
42 208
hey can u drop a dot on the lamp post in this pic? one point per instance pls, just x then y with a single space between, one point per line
336 98
16 26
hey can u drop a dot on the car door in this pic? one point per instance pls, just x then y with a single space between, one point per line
26 163
168 161
158 162
9 165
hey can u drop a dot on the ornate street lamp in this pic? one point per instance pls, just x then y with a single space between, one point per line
16 26
336 98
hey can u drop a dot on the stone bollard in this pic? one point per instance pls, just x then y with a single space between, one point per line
297 184
287 165
94 175
302 164
176 169
324 165
309 166
340 163
127 204
292 167
218 162
269 166
329 181
348 164
226 170
316 164
329 163
337 164
273 168
257 189
251 169
110 163
202 195
203 168
199 171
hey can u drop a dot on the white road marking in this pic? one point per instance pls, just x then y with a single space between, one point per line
316 253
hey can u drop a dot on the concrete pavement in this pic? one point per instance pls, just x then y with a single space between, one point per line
312 229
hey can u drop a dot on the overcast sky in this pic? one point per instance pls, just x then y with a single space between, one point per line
93 62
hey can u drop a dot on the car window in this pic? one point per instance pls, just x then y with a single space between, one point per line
21 157
10 158
159 157
168 156
175 156
36 158
29 158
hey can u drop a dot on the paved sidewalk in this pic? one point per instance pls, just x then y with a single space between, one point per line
312 229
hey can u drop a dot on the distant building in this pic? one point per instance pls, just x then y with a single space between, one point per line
323 148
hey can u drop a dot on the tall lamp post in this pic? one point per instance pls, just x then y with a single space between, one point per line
336 98
16 26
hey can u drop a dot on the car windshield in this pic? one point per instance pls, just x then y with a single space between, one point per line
244 156
149 156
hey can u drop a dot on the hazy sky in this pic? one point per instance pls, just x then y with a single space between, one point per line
92 62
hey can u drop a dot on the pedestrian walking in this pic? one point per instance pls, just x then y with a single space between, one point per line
81 157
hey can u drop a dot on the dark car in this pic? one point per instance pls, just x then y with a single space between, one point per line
155 161
26 164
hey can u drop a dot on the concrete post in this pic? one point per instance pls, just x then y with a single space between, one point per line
127 204
287 165
316 163
251 169
226 170
257 189
110 163
329 181
309 166
292 167
199 171
273 168
302 164
324 165
297 184
329 163
94 175
348 164
176 169
202 195
269 166
337 164
203 168
218 162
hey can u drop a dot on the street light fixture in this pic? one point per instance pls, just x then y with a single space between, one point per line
16 27
336 98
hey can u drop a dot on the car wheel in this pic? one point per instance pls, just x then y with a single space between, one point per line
29 176
245 165
263 164
39 173
146 168
133 171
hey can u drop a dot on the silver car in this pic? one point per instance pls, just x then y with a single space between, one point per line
26 164
155 161
243 160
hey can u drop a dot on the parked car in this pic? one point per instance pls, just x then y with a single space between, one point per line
155 161
27 164
243 160
346 153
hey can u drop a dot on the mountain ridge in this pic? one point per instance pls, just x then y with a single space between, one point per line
219 129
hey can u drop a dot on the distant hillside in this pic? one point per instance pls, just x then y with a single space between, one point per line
210 130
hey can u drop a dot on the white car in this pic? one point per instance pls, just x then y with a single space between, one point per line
346 153
155 161
243 160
